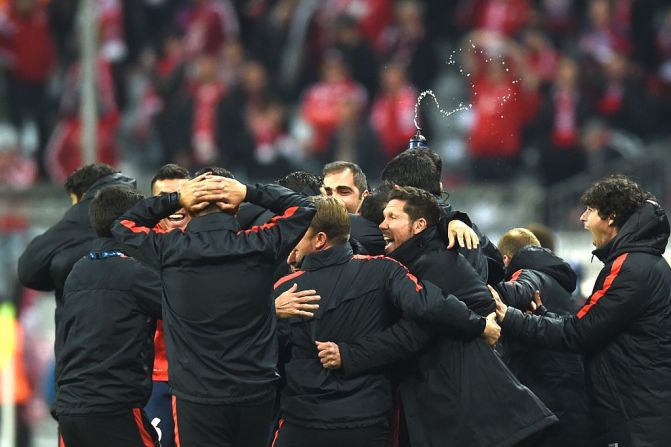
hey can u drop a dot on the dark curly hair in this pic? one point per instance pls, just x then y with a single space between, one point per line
616 197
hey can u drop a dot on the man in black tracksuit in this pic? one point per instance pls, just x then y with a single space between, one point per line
105 339
421 168
557 378
48 259
359 295
217 307
624 329
458 391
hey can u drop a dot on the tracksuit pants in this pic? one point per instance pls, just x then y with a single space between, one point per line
129 429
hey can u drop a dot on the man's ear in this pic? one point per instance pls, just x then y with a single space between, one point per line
320 240
506 260
611 220
419 225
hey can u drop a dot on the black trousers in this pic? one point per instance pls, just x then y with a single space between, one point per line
202 425
130 429
290 435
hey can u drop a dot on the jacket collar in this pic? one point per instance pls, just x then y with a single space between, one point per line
213 221
414 247
647 230
106 243
338 254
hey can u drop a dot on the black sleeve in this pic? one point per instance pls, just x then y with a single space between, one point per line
606 314
35 262
455 275
276 198
519 293
425 302
136 227
147 290
383 348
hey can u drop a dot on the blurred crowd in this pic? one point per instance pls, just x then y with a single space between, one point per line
264 87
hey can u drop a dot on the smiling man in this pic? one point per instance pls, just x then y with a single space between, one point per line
347 182
624 329
168 179
442 393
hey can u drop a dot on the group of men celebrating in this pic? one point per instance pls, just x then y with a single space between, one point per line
318 312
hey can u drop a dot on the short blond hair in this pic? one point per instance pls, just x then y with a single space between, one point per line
331 218
513 241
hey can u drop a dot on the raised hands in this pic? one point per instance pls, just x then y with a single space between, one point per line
198 193
459 232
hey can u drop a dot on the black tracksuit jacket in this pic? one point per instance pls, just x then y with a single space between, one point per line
360 295
218 310
455 390
557 378
48 259
105 333
624 333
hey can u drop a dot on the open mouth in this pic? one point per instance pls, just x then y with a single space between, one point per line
177 218
388 242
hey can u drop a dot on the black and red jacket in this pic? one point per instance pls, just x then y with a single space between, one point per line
218 312
557 378
105 333
48 259
624 333
360 295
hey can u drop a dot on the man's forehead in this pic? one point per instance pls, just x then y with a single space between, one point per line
168 185
395 205
340 178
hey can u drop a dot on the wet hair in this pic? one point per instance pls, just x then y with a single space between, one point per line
170 171
216 170
359 177
372 206
83 178
418 203
331 218
419 168
515 239
616 197
303 182
108 205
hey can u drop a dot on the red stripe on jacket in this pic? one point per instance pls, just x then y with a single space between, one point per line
273 222
288 277
413 278
135 228
596 296
516 275
147 440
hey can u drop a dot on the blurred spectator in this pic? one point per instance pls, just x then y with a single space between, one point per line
354 140
64 152
393 111
16 170
559 16
407 42
504 101
207 24
543 58
622 100
602 38
373 16
506 17
557 128
207 90
320 106
27 51
357 52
